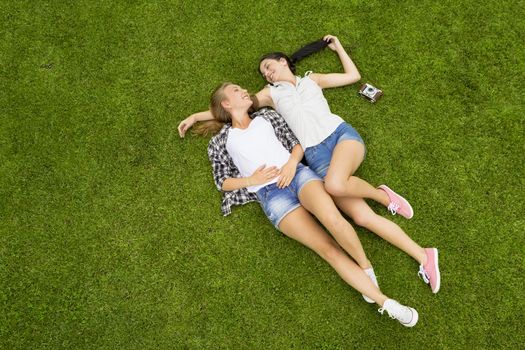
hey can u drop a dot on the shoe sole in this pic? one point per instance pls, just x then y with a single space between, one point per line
438 274
411 210
368 300
415 318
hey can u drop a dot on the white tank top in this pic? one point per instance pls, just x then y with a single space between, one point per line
254 146
305 110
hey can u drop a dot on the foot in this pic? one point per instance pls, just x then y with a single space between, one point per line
372 275
430 271
398 204
407 316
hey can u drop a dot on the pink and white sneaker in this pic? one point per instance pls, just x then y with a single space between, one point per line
398 204
430 271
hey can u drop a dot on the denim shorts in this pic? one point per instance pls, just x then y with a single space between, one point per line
318 157
278 202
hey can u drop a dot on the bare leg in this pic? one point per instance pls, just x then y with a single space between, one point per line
364 216
314 198
302 227
339 182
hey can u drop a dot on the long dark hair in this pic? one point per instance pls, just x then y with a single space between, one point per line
303 52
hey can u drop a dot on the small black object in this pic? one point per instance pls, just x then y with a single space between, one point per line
309 49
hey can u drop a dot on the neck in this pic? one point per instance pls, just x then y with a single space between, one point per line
240 119
289 77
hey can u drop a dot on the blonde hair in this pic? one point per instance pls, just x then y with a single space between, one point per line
222 116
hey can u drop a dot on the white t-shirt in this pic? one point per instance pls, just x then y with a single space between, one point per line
305 110
254 146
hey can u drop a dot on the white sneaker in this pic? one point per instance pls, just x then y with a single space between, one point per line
407 316
372 275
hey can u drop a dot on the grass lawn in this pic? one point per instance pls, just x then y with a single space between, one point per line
111 235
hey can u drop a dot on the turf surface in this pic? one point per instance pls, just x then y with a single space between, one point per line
111 235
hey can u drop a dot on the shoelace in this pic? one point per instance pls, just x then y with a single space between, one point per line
395 318
423 274
381 310
393 207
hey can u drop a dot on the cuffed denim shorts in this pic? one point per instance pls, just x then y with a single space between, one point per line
318 157
278 202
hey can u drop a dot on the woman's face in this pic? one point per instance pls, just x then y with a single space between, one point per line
236 97
272 69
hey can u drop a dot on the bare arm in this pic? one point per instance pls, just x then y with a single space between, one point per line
351 74
235 183
264 98
297 153
187 123
261 175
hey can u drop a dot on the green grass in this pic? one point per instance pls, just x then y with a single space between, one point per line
111 235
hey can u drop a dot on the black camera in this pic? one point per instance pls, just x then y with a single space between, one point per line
370 92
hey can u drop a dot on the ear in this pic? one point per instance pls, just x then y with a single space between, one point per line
226 104
283 61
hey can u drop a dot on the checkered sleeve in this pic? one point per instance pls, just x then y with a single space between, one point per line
219 163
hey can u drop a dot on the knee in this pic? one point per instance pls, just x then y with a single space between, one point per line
362 219
333 221
330 252
335 187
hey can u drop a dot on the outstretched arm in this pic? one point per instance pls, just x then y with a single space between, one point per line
192 119
351 74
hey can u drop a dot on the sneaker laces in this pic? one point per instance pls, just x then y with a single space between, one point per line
393 207
381 310
422 273
398 312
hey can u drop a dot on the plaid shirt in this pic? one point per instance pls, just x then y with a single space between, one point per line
222 162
